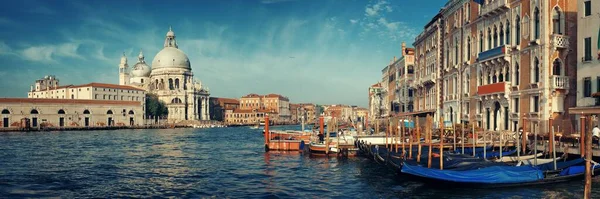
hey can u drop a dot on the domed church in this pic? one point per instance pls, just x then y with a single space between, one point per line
170 77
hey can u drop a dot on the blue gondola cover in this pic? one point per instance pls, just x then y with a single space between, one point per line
488 175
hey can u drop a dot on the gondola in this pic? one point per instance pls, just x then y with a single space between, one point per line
495 176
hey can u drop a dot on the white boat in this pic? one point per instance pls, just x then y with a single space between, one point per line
516 159
539 161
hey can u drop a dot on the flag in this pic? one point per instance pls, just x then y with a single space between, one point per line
480 2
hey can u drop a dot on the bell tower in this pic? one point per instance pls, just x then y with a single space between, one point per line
123 71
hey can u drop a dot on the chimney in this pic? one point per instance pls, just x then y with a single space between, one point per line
403 48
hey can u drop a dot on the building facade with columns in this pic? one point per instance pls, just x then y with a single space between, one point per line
503 61
171 78
428 54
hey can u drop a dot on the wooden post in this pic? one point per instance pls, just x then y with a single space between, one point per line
462 140
442 144
474 138
587 190
402 138
397 131
454 134
582 136
367 124
376 126
500 144
387 131
524 136
553 151
418 128
551 141
410 140
329 127
428 129
267 133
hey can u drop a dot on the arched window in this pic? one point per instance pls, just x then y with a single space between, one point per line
507 75
556 67
109 112
557 21
481 41
5 111
456 51
131 112
177 83
536 23
518 30
507 32
86 112
34 111
501 34
171 84
489 38
468 48
60 112
142 80
72 96
176 101
517 76
495 36
536 70
156 84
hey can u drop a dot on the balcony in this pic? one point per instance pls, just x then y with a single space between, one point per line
559 82
560 41
493 55
429 78
496 88
494 7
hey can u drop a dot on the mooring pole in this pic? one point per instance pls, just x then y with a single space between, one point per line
418 128
402 138
267 133
582 136
410 140
428 128
442 144
553 151
462 140
535 133
474 138
588 158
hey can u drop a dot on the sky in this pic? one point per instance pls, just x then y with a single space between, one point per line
312 51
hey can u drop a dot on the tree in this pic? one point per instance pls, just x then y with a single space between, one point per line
155 107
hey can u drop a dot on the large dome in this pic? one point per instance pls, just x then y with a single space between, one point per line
171 57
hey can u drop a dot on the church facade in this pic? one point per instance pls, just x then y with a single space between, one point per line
170 78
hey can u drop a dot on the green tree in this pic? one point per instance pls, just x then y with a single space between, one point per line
155 107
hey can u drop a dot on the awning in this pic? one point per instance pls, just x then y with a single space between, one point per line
584 110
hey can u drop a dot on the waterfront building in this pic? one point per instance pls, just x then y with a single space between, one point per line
171 78
588 59
405 86
246 116
219 105
504 61
70 113
91 91
385 99
295 113
309 112
277 106
428 56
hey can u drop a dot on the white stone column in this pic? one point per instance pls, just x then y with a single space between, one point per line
207 108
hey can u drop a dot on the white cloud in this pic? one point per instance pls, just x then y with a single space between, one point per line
353 21
373 10
48 53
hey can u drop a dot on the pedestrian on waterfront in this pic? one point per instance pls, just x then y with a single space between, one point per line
596 134
321 137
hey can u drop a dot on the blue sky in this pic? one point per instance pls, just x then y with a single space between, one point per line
319 51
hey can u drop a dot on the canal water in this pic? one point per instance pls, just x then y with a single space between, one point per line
197 163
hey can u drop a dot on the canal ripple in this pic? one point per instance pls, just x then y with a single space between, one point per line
197 163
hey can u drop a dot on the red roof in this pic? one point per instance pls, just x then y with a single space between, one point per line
227 100
67 101
250 111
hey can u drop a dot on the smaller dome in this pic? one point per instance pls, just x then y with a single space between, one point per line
141 70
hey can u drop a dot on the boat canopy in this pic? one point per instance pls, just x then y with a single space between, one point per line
488 175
